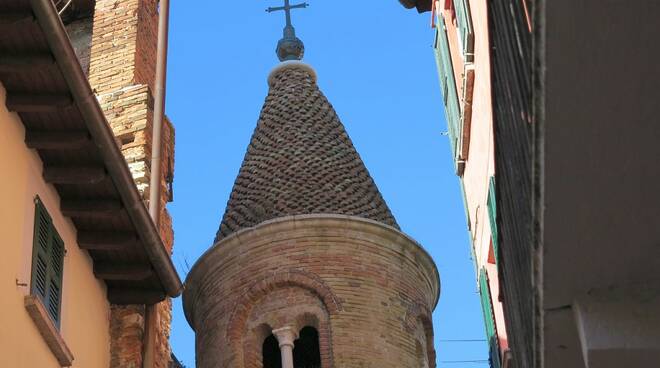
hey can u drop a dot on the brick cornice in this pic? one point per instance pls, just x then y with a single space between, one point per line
299 226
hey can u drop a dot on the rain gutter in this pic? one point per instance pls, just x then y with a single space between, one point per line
104 139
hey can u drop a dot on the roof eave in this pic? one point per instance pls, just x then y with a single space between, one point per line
421 5
102 135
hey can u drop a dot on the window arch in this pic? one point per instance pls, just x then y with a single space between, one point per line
271 355
307 351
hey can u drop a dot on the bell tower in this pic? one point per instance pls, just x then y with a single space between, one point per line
309 267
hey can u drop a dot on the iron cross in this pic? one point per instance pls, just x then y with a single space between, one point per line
287 9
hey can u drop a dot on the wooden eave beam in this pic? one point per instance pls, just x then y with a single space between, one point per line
123 272
107 241
11 18
57 140
25 63
128 296
38 102
74 174
91 208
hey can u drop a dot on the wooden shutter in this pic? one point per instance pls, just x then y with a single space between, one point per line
42 226
489 319
466 32
47 262
487 304
492 216
448 84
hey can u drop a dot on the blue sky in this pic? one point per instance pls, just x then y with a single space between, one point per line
376 66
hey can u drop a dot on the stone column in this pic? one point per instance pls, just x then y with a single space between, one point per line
286 337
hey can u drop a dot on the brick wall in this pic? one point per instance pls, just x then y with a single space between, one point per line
285 306
122 72
373 286
147 34
80 34
127 322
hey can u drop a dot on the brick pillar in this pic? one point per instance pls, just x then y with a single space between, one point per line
127 331
121 72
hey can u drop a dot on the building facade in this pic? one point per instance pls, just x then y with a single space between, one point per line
470 67
88 272
309 267
463 53
575 164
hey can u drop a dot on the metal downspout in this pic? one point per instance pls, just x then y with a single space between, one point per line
151 311
159 111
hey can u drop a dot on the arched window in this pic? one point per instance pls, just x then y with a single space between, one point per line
272 357
306 352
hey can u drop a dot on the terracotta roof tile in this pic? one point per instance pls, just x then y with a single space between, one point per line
300 161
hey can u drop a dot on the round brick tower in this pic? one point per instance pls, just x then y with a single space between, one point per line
309 267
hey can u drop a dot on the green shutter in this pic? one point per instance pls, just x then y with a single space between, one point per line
47 262
489 319
448 84
464 20
42 227
487 304
492 216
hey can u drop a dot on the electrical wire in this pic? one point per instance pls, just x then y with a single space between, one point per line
465 361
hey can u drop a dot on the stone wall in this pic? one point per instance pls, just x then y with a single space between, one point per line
122 74
367 288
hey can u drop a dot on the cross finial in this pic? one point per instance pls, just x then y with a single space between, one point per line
289 47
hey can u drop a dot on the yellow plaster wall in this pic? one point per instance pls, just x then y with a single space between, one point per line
85 310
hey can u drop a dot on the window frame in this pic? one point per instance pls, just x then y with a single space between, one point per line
47 268
465 29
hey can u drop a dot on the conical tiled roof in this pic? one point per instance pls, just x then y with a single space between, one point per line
300 161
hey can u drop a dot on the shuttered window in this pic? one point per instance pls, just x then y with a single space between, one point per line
492 216
489 319
448 85
464 25
47 262
486 303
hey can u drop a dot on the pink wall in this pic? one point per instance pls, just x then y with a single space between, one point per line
480 164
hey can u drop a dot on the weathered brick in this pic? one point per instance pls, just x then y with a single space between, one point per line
122 61
351 269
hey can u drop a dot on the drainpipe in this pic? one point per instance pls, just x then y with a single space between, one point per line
151 311
159 111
